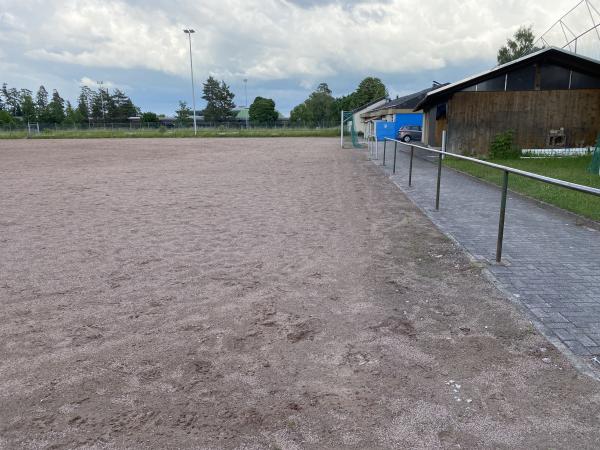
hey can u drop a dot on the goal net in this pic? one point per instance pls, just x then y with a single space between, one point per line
348 133
595 165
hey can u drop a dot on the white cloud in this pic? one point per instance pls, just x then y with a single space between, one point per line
269 39
92 83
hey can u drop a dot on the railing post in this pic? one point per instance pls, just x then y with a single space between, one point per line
439 179
384 144
501 221
395 151
412 153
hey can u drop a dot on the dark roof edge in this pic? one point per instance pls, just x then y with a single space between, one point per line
558 53
366 105
394 104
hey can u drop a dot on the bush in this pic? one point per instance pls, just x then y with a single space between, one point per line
6 118
503 147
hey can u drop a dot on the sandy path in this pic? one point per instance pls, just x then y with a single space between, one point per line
249 294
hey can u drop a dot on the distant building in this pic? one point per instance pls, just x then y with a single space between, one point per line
359 122
243 113
386 119
550 98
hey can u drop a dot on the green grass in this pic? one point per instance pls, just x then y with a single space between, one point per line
202 133
571 169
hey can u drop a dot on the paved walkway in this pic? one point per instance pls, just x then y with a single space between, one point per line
551 264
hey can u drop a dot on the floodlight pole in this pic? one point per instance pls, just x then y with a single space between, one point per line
101 83
246 95
189 32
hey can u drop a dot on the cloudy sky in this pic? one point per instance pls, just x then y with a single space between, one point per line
283 47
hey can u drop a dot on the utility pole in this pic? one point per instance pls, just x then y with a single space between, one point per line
189 32
101 83
246 95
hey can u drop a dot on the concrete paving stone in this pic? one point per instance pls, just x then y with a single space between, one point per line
594 351
577 348
563 334
584 339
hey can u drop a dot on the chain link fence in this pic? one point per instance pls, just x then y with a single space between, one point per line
32 128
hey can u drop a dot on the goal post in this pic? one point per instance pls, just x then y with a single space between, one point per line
33 128
348 134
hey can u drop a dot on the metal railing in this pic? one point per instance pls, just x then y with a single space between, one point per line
507 170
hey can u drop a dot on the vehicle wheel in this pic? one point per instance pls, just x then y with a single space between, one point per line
406 138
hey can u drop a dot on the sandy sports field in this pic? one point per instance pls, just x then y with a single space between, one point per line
251 294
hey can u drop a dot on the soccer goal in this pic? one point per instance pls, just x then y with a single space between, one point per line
33 128
348 134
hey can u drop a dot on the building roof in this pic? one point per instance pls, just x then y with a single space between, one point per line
551 55
409 101
243 113
367 105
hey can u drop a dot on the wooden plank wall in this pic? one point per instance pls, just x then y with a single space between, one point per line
474 118
440 126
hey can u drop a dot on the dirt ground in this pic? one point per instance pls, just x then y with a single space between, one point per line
250 294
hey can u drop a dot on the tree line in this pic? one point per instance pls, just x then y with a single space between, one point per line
104 105
322 109
21 105
220 106
319 109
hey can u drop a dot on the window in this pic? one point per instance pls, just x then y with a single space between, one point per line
554 77
495 84
521 79
583 81
440 111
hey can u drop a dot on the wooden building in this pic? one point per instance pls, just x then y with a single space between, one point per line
548 99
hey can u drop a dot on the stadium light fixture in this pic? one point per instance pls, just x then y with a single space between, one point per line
189 32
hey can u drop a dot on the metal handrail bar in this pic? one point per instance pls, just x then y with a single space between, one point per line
523 173
507 170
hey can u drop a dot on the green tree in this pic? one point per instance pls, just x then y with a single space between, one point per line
183 114
368 90
521 45
121 107
149 117
320 106
56 108
28 106
72 115
101 106
262 111
12 100
299 115
84 102
219 101
318 110
41 105
6 118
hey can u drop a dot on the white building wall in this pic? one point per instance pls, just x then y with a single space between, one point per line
359 123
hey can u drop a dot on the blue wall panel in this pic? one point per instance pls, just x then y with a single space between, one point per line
385 129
